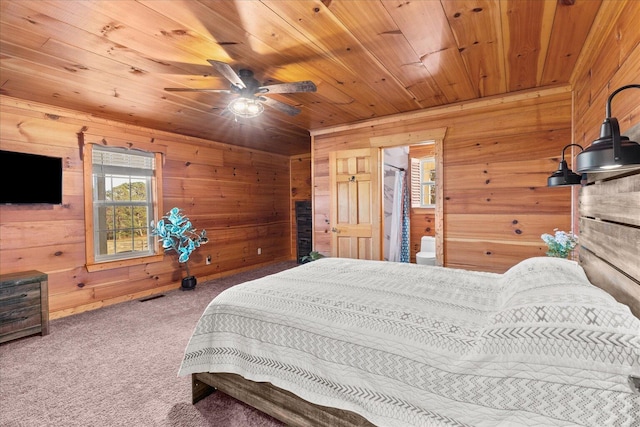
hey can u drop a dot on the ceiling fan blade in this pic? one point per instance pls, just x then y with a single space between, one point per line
225 112
294 87
184 89
226 70
285 108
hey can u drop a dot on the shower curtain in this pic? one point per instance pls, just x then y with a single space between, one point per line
399 232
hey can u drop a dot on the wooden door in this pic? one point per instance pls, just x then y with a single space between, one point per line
355 204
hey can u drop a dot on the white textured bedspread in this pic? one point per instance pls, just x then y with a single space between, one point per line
412 345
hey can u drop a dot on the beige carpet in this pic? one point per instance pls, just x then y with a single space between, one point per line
117 366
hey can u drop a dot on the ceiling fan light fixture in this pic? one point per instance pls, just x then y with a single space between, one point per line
246 107
250 102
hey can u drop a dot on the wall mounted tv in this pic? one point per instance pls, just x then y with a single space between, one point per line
30 178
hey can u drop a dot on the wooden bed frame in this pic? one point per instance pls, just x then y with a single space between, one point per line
609 242
280 404
610 235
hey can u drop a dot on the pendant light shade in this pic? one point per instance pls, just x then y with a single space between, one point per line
565 176
611 151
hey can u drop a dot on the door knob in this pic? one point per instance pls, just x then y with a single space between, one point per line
335 230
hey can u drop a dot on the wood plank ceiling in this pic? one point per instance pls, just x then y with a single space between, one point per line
368 58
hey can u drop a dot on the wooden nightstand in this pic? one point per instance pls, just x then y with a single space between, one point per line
24 305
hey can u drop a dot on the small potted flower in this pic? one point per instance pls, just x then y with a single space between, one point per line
560 244
178 234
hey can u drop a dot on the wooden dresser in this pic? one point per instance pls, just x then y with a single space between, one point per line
24 305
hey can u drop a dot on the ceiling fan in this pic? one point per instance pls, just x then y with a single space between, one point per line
251 95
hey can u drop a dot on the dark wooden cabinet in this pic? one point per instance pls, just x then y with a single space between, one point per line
24 305
303 228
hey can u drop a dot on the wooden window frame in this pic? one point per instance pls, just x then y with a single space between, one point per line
418 183
156 189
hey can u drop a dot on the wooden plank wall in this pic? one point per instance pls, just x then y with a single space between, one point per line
609 206
497 155
240 196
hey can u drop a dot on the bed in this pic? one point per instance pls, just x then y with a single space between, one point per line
354 342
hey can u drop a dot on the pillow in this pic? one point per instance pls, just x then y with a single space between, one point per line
540 275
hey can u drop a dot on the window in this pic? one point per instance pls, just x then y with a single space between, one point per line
423 182
122 200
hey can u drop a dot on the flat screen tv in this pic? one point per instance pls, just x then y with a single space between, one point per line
30 178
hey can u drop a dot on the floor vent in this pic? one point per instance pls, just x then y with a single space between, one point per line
151 297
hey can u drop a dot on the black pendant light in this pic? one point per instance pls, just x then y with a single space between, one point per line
565 176
611 151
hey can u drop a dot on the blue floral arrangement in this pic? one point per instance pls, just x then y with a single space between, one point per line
178 234
560 244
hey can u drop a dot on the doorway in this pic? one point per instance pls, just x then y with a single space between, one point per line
356 199
404 226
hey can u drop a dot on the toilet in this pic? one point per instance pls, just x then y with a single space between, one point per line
427 254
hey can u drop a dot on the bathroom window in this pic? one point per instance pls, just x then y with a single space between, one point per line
423 182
